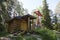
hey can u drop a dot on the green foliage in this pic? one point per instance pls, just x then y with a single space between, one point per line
22 38
19 9
0 19
46 34
3 34
40 8
55 24
4 11
46 24
55 27
2 31
17 38
58 27
46 16
2 28
55 17
31 38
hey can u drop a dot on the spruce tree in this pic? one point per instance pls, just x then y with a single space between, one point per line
46 16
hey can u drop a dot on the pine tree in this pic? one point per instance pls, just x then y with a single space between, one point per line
46 18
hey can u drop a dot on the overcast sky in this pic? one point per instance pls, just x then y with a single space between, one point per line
33 4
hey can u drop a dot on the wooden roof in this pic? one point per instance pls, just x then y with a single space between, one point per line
22 17
28 15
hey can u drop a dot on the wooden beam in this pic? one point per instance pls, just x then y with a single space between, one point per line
28 24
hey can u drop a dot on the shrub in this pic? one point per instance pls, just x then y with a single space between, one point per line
2 30
46 34
17 38
31 38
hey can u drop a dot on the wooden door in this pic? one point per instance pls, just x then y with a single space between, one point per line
24 25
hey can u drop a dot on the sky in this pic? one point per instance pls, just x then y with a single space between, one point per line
33 4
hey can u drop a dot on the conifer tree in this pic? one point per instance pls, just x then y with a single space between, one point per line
46 17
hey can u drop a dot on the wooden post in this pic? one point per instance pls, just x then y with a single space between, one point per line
28 24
